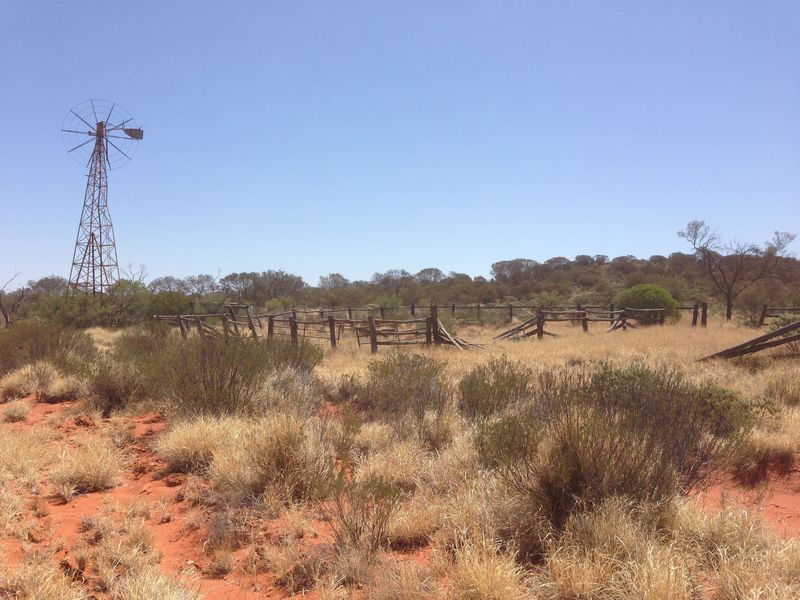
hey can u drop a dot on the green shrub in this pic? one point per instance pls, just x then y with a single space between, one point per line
360 511
115 385
222 376
210 376
637 432
647 295
492 387
403 384
31 341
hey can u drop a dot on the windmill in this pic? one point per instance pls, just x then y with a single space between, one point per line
98 134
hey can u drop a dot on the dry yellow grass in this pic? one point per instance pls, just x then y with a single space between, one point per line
93 465
675 345
43 380
16 410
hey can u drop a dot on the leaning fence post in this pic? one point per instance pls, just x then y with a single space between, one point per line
373 334
183 327
332 329
695 311
293 329
437 338
539 324
251 321
763 316
703 314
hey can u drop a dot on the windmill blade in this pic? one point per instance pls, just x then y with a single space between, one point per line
93 110
79 145
79 132
119 125
111 111
82 119
118 150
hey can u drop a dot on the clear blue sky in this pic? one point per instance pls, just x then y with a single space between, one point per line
361 136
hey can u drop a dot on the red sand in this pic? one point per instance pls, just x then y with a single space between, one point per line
183 547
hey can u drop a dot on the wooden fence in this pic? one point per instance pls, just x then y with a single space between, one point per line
699 311
238 320
776 311
617 319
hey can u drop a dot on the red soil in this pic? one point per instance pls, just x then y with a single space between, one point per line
181 540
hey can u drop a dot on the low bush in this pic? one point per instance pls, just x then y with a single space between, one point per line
95 465
189 446
360 512
492 387
218 376
31 341
403 384
115 385
280 456
16 411
44 380
638 433
647 295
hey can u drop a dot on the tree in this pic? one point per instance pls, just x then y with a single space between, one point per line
168 283
734 266
430 275
513 271
10 302
333 281
200 285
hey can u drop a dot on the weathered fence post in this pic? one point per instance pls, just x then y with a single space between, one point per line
584 319
251 321
350 312
763 316
428 330
225 325
233 320
199 326
373 335
437 338
270 326
539 324
322 314
332 329
703 314
611 320
662 316
510 313
453 308
293 328
695 311
478 311
294 313
382 313
182 325
413 309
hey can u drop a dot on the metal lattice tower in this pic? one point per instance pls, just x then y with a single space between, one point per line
95 266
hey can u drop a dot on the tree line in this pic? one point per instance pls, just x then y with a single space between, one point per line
729 272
